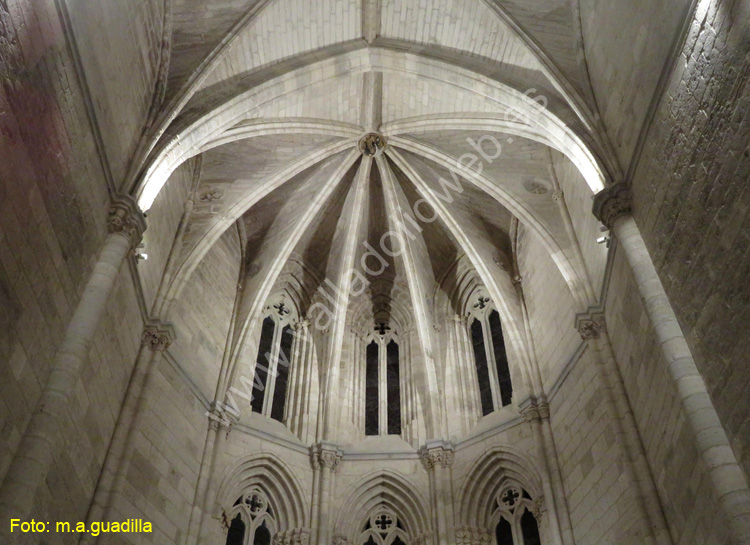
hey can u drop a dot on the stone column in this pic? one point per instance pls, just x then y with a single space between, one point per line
537 415
157 338
612 207
33 458
437 458
324 458
220 423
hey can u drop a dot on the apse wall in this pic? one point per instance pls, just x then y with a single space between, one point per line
602 497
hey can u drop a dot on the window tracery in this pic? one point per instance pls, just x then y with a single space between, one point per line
253 521
271 379
383 528
517 517
490 356
382 383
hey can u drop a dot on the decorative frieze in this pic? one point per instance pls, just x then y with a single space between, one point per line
126 219
612 203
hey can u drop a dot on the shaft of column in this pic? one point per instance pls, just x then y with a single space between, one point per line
612 207
220 427
33 459
437 458
534 415
326 457
156 338
196 512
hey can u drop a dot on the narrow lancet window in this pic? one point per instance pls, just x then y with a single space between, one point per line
501 358
262 364
371 390
394 389
483 374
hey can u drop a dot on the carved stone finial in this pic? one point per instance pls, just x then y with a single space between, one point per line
612 203
436 455
126 219
158 336
325 455
590 325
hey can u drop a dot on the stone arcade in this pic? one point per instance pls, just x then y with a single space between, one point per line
375 272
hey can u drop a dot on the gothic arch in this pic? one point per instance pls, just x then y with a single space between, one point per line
276 479
382 488
496 469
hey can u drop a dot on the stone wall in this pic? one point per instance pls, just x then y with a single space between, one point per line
691 203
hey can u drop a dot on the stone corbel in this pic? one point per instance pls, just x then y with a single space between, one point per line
158 336
219 418
591 324
437 453
325 455
126 219
535 409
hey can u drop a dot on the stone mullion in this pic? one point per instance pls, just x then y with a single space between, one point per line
34 456
612 207
489 349
155 340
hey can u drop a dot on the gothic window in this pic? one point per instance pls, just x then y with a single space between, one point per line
516 514
383 528
393 385
371 390
490 357
501 358
271 379
382 385
483 374
253 522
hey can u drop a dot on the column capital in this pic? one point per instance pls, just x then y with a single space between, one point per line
325 455
471 535
535 409
339 539
126 219
591 325
612 203
219 417
158 336
296 536
436 453
424 538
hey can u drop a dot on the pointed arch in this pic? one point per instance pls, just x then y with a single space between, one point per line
383 488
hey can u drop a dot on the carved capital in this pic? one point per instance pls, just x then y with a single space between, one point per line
460 319
126 219
536 411
436 455
341 540
612 203
471 535
220 418
325 455
423 539
296 536
591 325
158 336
